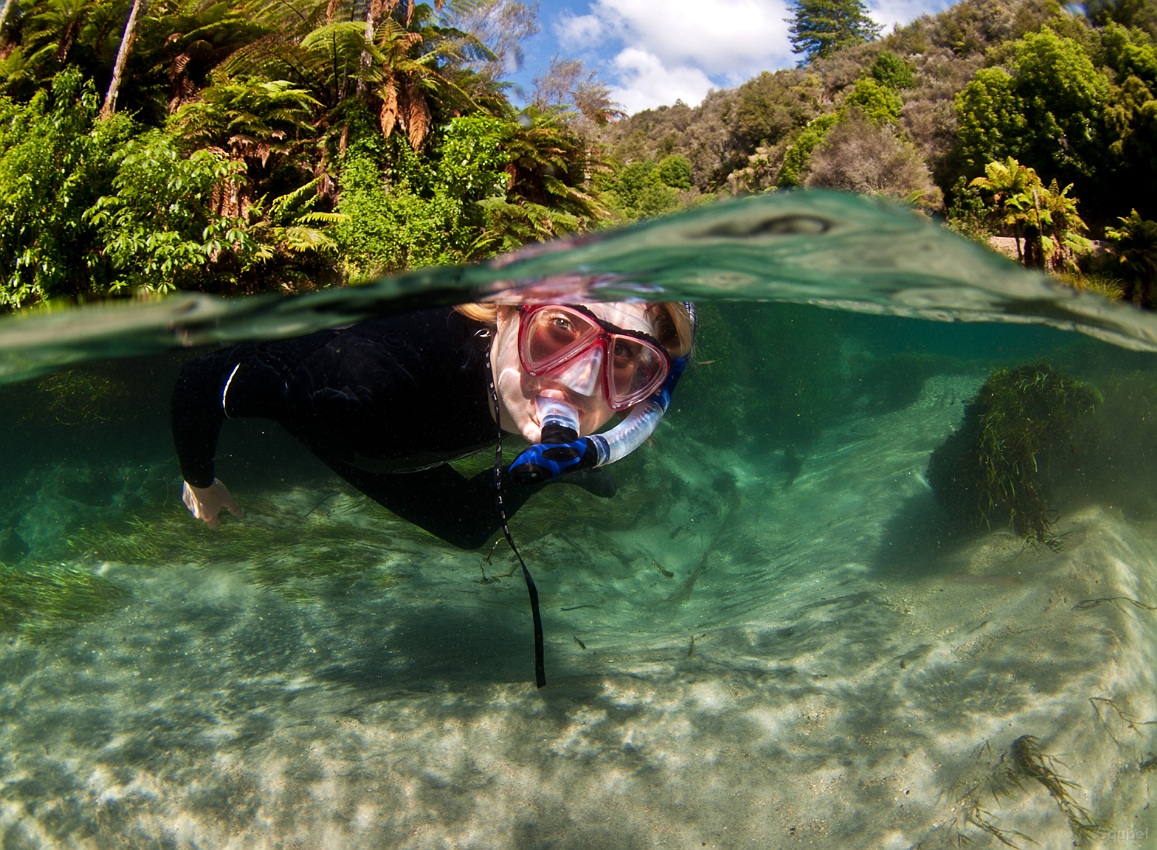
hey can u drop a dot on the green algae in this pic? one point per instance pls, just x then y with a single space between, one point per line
41 600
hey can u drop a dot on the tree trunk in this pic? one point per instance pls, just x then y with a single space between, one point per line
118 70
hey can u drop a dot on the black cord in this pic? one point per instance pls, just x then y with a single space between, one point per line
539 651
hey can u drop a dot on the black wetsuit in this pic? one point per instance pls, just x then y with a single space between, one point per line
384 403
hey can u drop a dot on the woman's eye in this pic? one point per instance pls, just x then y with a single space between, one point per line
624 354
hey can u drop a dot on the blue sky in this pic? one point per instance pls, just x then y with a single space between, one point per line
654 52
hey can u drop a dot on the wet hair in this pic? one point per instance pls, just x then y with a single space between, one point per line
670 319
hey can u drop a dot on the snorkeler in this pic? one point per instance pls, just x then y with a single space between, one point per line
387 403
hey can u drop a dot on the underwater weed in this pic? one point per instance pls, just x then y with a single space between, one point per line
997 463
977 815
41 600
1115 601
1020 768
300 557
1028 762
1128 719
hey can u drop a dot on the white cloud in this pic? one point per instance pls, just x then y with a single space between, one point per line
644 81
677 49
578 31
722 37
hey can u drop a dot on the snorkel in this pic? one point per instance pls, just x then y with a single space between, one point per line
562 450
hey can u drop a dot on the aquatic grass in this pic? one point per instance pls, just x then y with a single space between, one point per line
1131 722
997 463
42 600
1028 763
1020 768
302 557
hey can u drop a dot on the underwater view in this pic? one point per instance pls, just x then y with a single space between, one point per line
885 576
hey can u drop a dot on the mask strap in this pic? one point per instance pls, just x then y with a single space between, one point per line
531 589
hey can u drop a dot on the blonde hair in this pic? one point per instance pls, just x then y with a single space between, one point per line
671 320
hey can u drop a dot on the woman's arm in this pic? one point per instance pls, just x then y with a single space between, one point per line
197 411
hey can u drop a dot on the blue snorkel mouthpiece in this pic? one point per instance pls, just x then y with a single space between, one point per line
562 450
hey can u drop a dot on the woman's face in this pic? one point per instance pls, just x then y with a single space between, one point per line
579 383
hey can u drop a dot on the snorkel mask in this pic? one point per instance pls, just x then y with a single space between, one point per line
636 374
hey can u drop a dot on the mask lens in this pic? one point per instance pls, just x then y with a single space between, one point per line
635 368
551 335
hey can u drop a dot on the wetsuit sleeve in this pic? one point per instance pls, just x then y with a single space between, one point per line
244 381
197 412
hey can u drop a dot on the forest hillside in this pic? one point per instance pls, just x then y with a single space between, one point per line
154 145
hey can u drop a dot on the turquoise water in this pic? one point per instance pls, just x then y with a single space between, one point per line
783 631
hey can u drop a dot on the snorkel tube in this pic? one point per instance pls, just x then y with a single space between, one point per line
562 450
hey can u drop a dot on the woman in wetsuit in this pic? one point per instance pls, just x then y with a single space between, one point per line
386 403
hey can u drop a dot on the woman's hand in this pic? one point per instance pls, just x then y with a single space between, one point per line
207 502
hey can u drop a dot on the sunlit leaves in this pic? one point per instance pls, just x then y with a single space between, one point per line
159 226
1043 219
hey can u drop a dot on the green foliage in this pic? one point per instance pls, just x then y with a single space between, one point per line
767 108
796 159
1134 245
869 157
1051 92
1131 115
257 122
158 227
55 161
990 116
402 210
1129 13
390 226
1042 218
675 171
997 463
967 213
638 191
821 27
547 192
1063 94
892 72
875 100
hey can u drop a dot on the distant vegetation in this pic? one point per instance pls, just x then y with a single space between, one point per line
153 145
1061 107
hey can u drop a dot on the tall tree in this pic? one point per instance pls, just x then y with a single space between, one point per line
130 35
821 27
